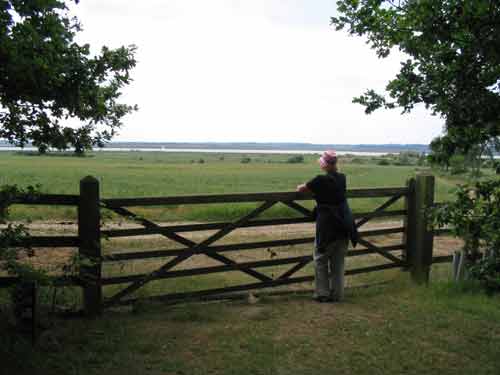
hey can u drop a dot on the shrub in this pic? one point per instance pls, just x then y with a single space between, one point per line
487 271
404 158
384 162
246 160
295 159
201 161
474 216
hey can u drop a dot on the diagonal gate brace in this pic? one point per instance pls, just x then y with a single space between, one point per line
174 236
379 209
166 232
384 253
195 249
295 268
297 207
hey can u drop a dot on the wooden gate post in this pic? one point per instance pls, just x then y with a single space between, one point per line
89 232
420 239
409 222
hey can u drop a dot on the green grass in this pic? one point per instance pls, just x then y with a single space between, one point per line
394 328
139 174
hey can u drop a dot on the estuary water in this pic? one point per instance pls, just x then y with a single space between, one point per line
214 150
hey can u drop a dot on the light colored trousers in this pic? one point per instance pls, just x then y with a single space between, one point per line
329 267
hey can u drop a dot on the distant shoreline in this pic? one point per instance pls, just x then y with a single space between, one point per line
249 147
212 151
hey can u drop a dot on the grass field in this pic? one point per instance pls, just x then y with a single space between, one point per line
395 328
139 174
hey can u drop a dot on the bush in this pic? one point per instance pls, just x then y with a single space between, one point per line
246 160
404 158
201 161
295 159
474 216
384 162
487 272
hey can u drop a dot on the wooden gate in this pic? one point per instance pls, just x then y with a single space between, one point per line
413 253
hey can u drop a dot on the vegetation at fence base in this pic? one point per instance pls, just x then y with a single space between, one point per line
11 235
15 252
394 328
474 216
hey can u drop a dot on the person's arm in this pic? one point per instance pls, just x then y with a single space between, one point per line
309 187
302 188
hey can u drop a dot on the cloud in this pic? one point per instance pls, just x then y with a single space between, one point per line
249 70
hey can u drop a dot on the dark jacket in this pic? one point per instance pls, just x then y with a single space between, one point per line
333 216
334 222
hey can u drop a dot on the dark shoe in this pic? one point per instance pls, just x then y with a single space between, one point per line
323 299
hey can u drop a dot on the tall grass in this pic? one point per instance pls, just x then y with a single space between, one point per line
140 174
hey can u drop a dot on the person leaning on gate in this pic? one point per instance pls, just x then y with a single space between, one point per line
335 226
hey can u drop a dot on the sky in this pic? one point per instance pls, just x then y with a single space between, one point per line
248 71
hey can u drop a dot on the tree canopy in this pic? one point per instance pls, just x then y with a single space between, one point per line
47 78
453 64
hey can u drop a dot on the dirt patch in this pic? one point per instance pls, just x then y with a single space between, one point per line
446 245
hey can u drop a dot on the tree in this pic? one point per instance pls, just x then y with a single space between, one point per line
453 64
46 77
478 152
442 149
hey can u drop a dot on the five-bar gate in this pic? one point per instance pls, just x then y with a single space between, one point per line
414 252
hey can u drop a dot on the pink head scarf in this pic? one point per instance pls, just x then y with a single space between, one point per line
328 157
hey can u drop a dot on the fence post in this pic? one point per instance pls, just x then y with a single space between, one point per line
409 222
89 233
420 246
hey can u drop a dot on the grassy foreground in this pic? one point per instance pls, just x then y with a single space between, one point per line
137 174
394 328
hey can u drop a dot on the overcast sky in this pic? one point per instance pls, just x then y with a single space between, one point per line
248 71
